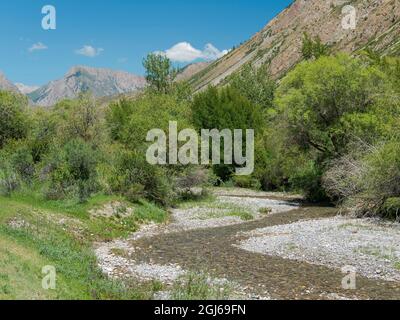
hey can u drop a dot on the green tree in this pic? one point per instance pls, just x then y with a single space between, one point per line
13 117
225 108
79 118
313 48
255 84
72 170
316 95
159 72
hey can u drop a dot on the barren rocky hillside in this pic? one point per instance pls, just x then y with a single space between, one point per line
190 70
279 42
6 84
100 82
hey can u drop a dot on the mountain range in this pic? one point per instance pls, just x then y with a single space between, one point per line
6 84
277 46
100 82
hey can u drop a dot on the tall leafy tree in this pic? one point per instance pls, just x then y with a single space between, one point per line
13 120
256 85
159 72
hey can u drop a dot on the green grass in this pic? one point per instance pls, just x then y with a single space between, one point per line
42 240
192 203
240 213
222 209
265 211
196 286
71 207
99 229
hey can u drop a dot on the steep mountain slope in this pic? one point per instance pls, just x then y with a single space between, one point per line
190 70
100 82
6 84
279 43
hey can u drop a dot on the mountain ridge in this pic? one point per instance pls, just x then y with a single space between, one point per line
279 43
101 82
6 84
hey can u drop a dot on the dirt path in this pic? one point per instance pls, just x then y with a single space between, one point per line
213 250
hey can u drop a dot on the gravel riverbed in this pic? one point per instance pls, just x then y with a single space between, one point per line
372 247
290 251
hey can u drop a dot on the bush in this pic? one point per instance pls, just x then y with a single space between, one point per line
13 117
391 208
313 48
367 183
9 180
22 162
79 119
73 171
135 178
130 120
246 182
307 178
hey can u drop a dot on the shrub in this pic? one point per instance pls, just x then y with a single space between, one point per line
135 178
246 182
9 180
307 178
80 119
315 96
22 162
313 48
13 117
73 171
191 183
367 183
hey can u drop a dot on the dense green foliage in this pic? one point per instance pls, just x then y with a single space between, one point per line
255 85
313 48
325 113
328 129
13 124
225 108
159 72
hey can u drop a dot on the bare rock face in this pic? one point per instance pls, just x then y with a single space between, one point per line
192 69
100 82
7 85
279 43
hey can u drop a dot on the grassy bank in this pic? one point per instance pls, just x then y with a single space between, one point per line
35 233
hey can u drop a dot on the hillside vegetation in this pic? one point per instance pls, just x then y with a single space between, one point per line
329 129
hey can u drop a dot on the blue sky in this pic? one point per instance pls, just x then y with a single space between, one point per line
117 34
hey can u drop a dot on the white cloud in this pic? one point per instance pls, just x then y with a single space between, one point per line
89 51
37 46
185 52
212 53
